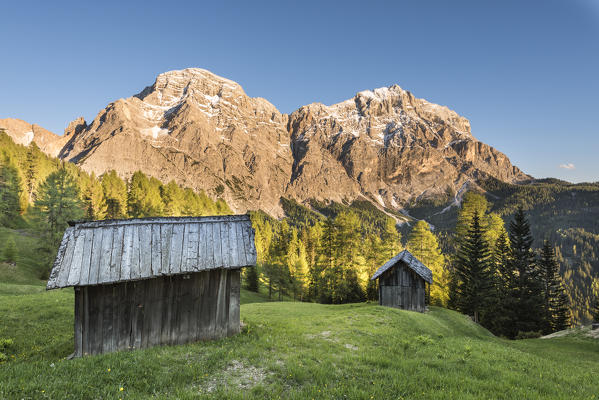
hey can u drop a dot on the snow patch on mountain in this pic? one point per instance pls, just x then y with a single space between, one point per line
154 132
27 138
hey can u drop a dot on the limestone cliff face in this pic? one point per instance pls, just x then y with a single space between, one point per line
199 129
24 133
204 132
389 146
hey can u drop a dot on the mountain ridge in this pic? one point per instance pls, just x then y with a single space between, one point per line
203 131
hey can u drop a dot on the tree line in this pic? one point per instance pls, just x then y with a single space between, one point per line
486 271
44 194
481 268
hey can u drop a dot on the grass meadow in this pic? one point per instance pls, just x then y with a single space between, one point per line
287 350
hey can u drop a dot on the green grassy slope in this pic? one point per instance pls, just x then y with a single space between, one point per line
28 268
286 350
295 350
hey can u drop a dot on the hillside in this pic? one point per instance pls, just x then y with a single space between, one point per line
294 350
286 349
566 214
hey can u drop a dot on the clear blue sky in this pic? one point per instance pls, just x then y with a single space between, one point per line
524 72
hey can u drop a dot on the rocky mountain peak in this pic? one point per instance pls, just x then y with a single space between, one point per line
174 87
75 127
204 132
24 133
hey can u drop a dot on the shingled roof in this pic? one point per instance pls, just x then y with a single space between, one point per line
411 262
102 252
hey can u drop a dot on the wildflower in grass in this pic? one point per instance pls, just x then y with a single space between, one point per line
108 370
121 389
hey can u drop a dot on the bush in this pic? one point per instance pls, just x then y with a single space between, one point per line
9 254
5 344
528 335
251 279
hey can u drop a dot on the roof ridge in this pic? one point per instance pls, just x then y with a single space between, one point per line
159 220
411 261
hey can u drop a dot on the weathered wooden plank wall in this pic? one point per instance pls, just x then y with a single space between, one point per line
164 310
400 287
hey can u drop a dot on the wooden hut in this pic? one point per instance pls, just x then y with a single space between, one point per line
152 281
402 282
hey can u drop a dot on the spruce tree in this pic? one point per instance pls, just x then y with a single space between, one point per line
503 281
252 280
472 269
561 310
595 311
554 307
528 290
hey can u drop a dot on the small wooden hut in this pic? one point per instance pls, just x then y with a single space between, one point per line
402 282
152 281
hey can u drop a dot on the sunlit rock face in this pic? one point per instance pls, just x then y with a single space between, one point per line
25 133
204 132
390 147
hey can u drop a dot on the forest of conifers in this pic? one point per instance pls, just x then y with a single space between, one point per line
326 252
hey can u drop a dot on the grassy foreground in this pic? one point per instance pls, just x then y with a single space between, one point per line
295 350
287 350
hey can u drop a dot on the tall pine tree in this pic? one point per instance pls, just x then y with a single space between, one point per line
503 284
528 290
472 273
595 311
555 307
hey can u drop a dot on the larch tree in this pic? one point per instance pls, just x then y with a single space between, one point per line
390 240
348 261
10 189
491 223
423 244
173 198
115 195
56 204
93 197
144 198
375 258
297 265
31 172
191 204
